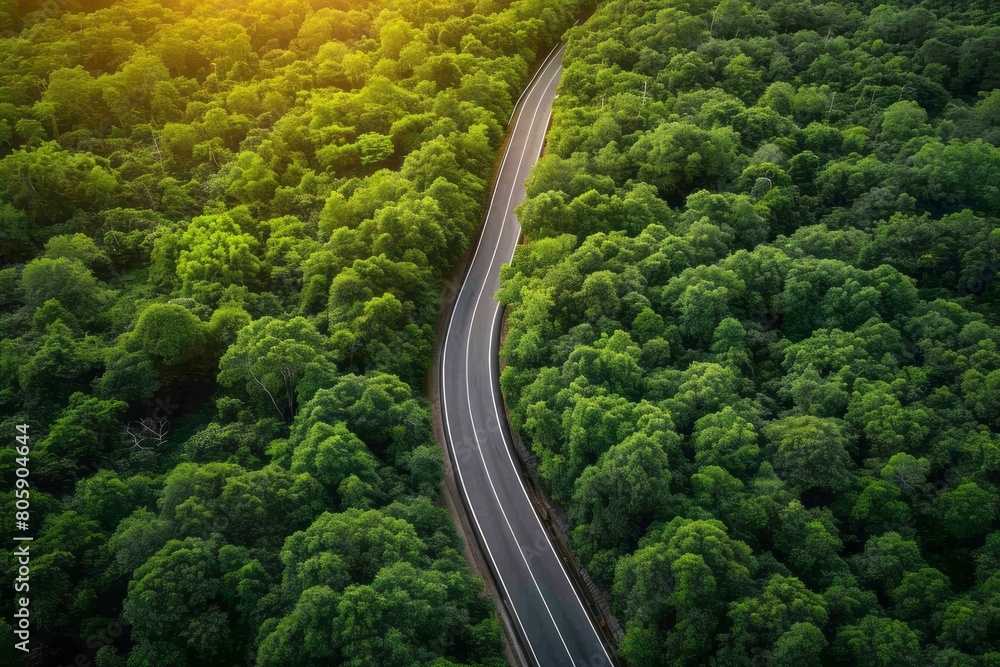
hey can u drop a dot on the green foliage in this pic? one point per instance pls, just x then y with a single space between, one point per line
225 234
67 281
753 340
168 332
79 247
810 452
879 641
331 454
725 439
51 183
773 225
615 499
87 431
270 356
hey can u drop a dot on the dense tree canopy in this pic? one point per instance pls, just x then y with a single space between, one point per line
225 230
753 336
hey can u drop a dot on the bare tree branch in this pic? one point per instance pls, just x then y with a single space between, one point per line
146 433
262 386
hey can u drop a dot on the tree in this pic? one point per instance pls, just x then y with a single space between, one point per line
980 392
331 453
878 642
380 409
402 617
951 170
966 623
52 183
305 636
270 355
920 599
426 467
702 298
225 325
169 332
87 432
136 538
56 370
734 214
241 442
250 180
801 646
676 157
617 498
107 656
262 506
78 247
720 493
50 312
74 93
71 548
208 254
903 121
886 559
109 499
611 363
590 427
374 147
810 543
351 547
759 623
886 427
65 280
170 600
810 452
727 440
729 343
705 388
966 511
907 472
689 568
879 508
190 497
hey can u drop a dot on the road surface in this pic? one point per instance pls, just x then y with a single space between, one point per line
553 625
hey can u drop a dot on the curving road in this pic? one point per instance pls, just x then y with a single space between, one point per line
550 618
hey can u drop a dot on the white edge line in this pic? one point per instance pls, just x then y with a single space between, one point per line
444 408
517 473
444 391
531 81
475 309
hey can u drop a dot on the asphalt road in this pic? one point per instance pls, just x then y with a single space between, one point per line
552 622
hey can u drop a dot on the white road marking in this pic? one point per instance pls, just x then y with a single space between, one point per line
509 446
493 396
444 400
531 82
468 396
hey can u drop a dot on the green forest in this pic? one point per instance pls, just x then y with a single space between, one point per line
225 229
753 334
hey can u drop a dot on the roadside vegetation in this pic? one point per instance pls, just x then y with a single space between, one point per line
753 336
